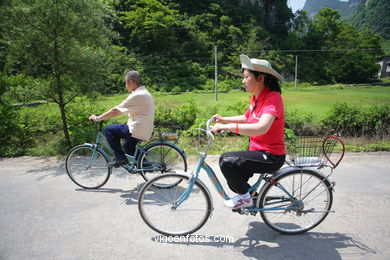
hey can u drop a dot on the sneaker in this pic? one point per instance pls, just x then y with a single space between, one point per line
117 163
239 201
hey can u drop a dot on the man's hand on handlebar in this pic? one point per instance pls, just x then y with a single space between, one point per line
94 118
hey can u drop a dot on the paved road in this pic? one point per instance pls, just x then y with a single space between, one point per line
43 215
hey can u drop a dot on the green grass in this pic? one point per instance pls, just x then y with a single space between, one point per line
315 100
320 100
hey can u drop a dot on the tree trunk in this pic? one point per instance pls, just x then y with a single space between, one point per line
60 101
61 104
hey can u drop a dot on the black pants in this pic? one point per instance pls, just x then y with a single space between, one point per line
238 167
114 133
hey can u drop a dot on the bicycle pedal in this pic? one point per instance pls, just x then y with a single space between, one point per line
239 211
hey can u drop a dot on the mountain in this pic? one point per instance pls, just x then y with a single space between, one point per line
374 14
346 9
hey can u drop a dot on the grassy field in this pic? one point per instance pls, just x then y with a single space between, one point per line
315 100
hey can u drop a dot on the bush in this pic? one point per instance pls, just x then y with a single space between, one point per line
14 132
176 118
80 129
348 120
301 123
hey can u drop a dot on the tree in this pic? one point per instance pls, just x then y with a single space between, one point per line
356 62
152 25
64 42
340 52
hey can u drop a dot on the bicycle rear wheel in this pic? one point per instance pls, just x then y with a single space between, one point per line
161 158
313 194
155 205
86 167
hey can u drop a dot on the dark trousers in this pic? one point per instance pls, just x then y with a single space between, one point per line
238 167
114 133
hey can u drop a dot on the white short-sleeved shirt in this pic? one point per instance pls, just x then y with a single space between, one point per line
139 106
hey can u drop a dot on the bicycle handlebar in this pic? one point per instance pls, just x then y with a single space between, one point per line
100 127
209 127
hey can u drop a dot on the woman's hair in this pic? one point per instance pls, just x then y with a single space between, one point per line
269 80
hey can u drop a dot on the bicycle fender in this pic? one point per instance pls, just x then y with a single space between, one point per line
291 169
166 143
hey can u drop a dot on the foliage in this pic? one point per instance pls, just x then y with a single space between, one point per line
14 132
80 129
301 123
176 118
348 120
66 43
340 58
373 14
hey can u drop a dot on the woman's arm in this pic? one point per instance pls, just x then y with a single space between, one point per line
233 119
256 129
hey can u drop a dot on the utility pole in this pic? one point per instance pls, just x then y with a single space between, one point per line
216 73
296 70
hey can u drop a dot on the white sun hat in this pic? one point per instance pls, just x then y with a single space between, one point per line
259 65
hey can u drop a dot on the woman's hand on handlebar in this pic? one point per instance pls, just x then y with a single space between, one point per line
218 129
217 118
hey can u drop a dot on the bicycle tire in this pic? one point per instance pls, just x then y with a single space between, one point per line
81 173
313 192
160 158
155 205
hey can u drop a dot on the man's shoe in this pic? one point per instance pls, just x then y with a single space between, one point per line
239 201
117 163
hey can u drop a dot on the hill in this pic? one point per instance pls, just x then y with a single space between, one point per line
374 14
346 9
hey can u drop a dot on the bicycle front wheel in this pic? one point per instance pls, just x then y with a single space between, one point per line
161 158
312 203
87 167
157 205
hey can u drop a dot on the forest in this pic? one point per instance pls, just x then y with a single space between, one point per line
60 50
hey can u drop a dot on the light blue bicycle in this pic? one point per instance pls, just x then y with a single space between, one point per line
86 164
292 200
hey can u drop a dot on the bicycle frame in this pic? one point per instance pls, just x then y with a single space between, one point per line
102 141
219 188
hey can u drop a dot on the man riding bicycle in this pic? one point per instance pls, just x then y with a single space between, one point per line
139 106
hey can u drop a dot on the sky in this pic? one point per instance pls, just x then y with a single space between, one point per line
296 4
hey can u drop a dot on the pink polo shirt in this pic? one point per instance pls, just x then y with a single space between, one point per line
268 102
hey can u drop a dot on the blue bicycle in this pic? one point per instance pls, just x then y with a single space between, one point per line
86 164
292 200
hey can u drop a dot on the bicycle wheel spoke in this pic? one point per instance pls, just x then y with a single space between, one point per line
87 167
313 200
159 209
161 158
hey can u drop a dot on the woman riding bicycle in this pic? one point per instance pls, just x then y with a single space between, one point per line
263 121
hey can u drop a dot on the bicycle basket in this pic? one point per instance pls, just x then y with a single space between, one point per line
309 151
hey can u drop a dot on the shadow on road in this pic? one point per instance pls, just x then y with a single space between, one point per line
130 196
262 242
